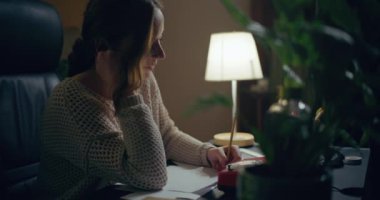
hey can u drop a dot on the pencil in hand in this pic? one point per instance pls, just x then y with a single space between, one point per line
229 148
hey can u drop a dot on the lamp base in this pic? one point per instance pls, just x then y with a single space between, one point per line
240 139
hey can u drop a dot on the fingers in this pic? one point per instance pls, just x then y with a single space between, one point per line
235 154
217 158
220 159
219 165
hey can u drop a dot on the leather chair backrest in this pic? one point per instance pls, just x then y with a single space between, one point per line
31 40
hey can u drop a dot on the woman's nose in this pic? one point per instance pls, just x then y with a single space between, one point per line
158 51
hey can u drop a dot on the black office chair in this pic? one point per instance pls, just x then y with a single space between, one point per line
31 40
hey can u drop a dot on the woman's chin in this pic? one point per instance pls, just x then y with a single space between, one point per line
147 73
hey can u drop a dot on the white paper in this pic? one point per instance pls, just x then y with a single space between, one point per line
183 180
161 194
246 153
189 178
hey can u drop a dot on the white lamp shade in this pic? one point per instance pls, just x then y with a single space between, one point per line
233 56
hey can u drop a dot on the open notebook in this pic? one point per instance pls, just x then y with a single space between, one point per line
183 182
186 181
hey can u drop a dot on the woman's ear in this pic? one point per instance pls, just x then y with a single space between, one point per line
107 56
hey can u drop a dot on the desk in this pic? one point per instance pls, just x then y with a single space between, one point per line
349 176
346 177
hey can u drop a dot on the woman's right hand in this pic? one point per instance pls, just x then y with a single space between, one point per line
218 156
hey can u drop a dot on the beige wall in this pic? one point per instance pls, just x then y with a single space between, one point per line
188 25
71 11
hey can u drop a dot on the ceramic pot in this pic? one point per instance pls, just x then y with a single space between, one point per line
257 183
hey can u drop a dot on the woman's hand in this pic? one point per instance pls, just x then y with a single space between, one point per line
218 156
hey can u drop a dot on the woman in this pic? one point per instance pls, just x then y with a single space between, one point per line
107 122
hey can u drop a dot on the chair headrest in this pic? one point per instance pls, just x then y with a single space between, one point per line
31 37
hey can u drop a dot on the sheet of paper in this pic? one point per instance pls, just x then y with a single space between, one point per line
189 178
162 194
183 180
246 153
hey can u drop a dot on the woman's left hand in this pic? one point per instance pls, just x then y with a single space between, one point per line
218 156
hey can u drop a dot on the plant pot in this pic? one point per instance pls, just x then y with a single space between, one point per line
258 183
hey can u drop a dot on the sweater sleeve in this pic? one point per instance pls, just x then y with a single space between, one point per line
179 146
134 156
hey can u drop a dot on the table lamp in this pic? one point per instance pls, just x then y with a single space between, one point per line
233 56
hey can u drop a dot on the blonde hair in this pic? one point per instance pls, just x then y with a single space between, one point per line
131 76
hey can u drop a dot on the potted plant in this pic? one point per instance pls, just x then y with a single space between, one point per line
293 141
335 45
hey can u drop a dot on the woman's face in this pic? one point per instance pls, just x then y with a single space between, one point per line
156 51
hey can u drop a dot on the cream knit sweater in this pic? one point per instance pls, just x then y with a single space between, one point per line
84 145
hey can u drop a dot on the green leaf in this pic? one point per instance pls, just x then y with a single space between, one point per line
259 31
340 14
207 102
291 78
236 13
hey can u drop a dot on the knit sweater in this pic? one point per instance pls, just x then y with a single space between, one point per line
85 145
